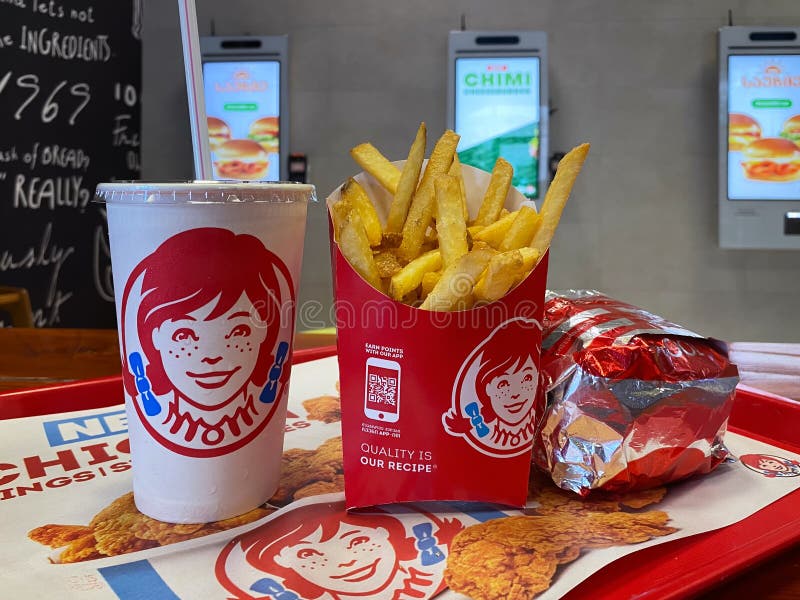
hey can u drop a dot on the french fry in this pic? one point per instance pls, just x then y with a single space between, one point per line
496 193
429 281
376 164
557 196
530 257
522 229
503 272
387 263
410 276
454 290
390 240
450 225
355 247
421 212
339 213
355 194
409 178
455 171
429 255
493 234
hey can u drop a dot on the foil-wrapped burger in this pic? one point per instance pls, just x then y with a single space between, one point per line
632 400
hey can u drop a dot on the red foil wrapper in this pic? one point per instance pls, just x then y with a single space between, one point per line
632 400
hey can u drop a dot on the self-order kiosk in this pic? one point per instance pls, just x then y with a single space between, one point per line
759 137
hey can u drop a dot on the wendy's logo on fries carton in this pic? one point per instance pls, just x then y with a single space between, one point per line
319 550
494 394
202 358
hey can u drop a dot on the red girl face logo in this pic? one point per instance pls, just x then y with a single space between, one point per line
496 390
203 360
771 466
320 550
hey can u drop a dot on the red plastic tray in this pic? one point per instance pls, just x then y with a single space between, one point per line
678 569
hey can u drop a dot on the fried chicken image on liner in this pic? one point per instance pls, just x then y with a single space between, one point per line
120 528
515 558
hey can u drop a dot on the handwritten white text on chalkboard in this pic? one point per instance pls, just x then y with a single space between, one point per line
45 42
45 254
80 92
50 192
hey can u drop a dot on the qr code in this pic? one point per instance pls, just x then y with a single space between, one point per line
382 390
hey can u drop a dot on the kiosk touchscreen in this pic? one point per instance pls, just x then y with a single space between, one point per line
759 138
246 106
497 97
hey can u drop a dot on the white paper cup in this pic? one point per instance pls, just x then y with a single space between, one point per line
205 280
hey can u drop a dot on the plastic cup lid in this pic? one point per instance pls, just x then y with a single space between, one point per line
203 192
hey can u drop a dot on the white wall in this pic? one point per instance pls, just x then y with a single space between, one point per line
636 78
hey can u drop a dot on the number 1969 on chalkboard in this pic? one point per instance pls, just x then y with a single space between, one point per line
77 96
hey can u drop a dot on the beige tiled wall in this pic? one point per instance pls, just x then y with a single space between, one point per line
636 78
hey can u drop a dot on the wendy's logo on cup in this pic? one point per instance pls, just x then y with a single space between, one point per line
771 466
495 391
203 361
319 550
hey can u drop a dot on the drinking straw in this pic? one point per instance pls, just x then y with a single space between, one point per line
194 88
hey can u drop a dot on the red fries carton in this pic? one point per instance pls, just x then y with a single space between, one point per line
437 405
633 401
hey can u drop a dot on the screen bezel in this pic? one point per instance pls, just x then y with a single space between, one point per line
526 44
257 49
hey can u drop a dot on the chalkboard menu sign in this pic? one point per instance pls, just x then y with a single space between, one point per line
70 80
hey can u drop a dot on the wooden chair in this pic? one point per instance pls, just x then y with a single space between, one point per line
16 304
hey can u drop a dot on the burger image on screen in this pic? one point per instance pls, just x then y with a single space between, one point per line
791 129
218 132
265 131
742 130
241 159
772 159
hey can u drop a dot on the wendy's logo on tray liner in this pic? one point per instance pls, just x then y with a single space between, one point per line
203 360
771 466
495 391
319 550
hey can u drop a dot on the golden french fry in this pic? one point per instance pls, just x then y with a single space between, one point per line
522 229
376 164
410 276
353 192
339 213
409 178
355 247
390 240
387 263
557 196
455 171
530 257
429 281
454 290
503 272
421 212
493 234
450 225
496 193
